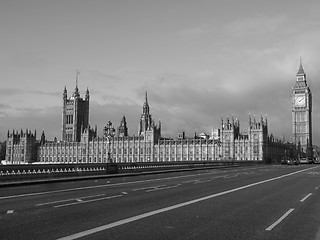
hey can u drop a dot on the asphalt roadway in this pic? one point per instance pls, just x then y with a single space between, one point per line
257 202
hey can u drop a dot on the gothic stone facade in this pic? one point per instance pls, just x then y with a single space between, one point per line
21 147
149 145
254 145
244 146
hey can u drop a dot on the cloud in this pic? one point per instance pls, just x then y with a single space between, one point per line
101 76
48 119
19 91
195 32
4 106
256 26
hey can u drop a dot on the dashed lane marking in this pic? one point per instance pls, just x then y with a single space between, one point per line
70 199
162 188
232 176
87 201
279 220
303 199
147 188
203 181
191 181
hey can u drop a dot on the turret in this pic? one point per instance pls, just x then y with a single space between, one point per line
108 130
87 95
123 129
42 138
65 96
76 93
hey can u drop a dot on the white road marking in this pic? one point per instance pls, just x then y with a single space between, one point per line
231 176
247 173
162 188
124 193
303 199
10 211
146 188
222 176
195 181
68 200
280 219
202 181
93 200
166 209
191 181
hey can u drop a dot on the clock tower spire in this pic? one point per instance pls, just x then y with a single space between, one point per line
302 113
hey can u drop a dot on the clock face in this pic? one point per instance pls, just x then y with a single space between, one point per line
300 101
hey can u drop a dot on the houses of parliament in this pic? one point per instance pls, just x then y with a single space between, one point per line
82 144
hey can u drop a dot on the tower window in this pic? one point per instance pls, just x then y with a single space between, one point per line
300 116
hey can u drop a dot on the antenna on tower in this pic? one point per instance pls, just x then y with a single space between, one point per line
77 76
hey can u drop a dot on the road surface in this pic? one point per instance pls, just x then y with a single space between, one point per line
257 202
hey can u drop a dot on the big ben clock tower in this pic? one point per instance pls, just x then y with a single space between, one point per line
302 113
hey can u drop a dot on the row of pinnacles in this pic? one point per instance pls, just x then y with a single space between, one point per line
21 146
251 145
17 136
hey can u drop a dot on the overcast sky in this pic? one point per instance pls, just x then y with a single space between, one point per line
198 60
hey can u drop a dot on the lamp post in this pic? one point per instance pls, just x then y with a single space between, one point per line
109 133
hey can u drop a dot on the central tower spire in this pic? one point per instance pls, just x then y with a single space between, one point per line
147 127
146 108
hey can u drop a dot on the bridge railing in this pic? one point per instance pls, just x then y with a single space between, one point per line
44 171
